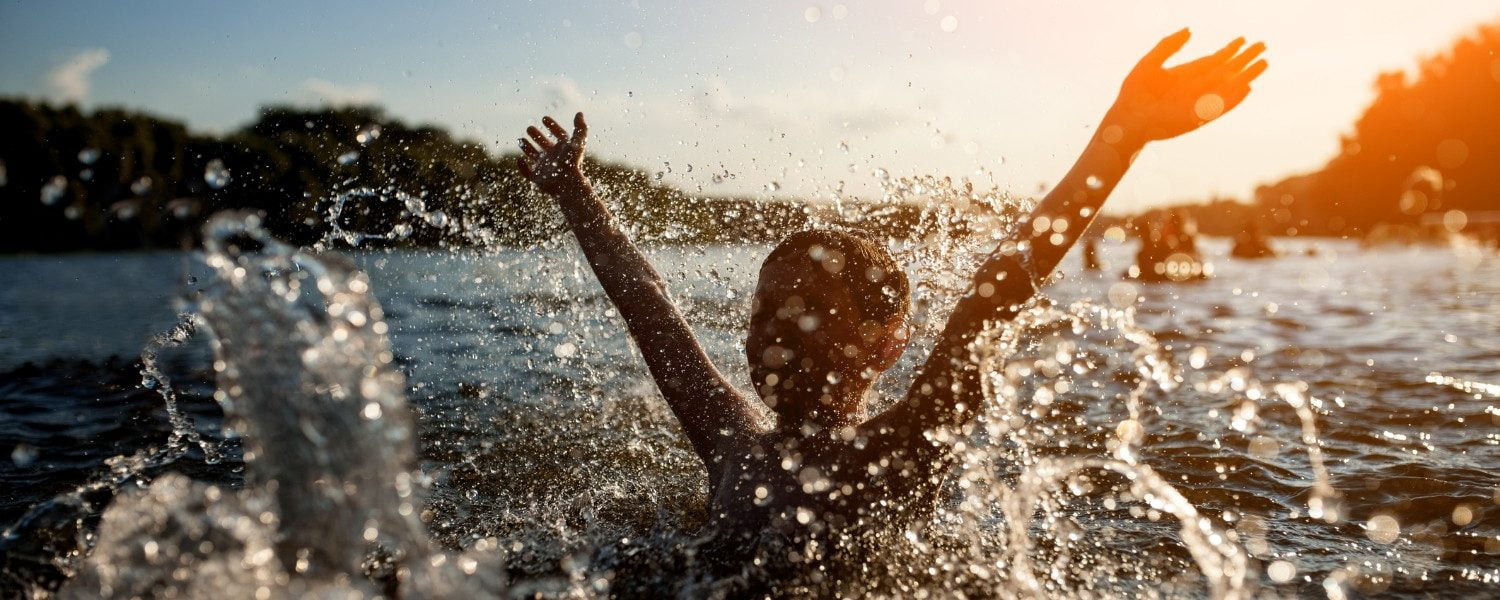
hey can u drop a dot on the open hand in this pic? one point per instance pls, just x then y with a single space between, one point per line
1158 102
555 167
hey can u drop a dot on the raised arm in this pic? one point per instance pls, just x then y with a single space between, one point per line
1155 103
706 405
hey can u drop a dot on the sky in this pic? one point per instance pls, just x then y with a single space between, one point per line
747 97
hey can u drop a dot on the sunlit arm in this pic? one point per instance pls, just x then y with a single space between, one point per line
1155 103
706 405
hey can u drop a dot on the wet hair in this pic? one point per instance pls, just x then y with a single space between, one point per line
868 271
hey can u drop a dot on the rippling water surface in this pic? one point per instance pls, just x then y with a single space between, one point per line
545 451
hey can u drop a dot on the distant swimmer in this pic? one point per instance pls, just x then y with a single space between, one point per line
1250 243
829 316
1169 251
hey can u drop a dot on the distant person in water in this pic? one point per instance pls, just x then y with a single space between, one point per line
1169 251
829 316
1250 242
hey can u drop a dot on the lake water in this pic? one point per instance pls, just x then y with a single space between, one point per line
541 433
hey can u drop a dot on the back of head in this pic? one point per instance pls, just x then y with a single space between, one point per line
872 276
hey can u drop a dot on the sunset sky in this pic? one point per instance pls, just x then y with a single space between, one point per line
766 91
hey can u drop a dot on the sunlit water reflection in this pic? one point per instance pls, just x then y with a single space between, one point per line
1145 438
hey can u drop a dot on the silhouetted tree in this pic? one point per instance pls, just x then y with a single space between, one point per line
1428 143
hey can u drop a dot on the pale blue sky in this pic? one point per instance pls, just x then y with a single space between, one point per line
766 91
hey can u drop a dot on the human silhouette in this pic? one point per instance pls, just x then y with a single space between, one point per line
829 316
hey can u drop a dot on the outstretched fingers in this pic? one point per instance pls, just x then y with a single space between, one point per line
1165 49
541 140
529 150
1211 62
1238 63
1239 86
580 129
557 130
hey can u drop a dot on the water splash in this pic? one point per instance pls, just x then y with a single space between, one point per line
303 369
154 378
415 210
588 490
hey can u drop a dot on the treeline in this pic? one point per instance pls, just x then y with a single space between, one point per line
1428 144
115 179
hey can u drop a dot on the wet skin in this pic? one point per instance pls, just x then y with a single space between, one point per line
823 466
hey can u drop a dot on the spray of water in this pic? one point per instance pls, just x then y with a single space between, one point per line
1053 495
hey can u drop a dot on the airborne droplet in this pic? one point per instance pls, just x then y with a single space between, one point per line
215 174
368 133
52 191
23 455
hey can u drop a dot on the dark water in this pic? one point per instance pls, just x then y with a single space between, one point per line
542 433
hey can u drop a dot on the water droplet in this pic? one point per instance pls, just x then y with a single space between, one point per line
565 350
1198 357
142 186
949 24
1383 529
368 133
774 186
87 156
812 14
1209 107
215 174
125 210
86 175
53 190
401 230
471 494
807 323
1281 571
23 455
437 218
1264 447
183 208
349 157
1093 182
72 212
633 40
843 145
1462 515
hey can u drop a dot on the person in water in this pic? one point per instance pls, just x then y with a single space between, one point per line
829 316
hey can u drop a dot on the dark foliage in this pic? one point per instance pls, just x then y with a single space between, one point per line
1428 144
116 179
